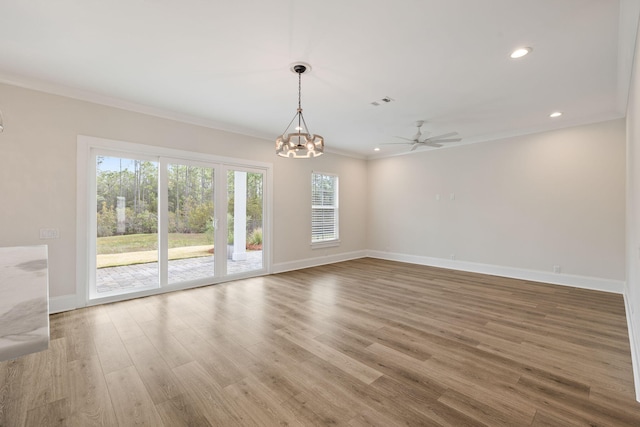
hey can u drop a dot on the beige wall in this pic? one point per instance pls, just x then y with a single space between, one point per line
38 177
527 203
632 286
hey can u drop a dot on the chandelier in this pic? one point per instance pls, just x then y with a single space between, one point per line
300 144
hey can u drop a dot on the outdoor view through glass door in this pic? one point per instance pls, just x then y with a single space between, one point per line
156 225
245 207
191 222
126 224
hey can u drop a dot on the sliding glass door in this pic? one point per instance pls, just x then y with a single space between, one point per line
245 212
126 239
156 223
190 222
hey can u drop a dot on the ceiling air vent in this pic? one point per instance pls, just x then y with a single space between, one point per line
384 100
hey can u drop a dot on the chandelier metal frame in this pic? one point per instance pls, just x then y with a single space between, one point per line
301 144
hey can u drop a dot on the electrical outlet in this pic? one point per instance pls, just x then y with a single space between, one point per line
556 269
453 257
49 233
452 196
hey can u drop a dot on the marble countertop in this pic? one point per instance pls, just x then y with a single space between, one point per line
24 301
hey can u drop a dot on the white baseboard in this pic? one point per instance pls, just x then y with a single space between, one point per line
63 303
634 343
593 283
314 262
70 302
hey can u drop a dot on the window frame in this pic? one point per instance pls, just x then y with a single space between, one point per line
317 244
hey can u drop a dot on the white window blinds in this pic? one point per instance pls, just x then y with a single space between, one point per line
324 207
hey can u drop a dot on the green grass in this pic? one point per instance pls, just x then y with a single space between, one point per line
147 242
143 257
131 249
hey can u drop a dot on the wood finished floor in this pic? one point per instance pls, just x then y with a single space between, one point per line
359 343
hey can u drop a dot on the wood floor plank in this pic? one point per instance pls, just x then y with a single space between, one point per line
327 414
421 402
311 376
131 401
168 347
582 407
545 419
41 381
159 380
214 360
438 376
139 310
352 367
208 398
89 400
362 342
391 363
181 412
80 346
305 415
110 348
371 418
403 342
284 379
52 414
11 386
482 412
123 321
13 412
56 371
141 350
361 396
259 403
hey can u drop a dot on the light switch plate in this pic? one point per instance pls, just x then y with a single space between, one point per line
49 233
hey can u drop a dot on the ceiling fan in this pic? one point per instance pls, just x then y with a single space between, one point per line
434 141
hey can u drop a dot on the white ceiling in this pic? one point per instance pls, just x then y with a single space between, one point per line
225 64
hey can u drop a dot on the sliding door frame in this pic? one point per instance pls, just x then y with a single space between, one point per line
223 217
88 146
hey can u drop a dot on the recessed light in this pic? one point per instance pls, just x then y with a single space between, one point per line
376 149
520 52
555 114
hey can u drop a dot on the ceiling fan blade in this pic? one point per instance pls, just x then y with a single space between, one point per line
406 139
433 144
396 143
415 145
445 140
446 135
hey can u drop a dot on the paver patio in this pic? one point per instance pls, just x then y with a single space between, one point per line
130 277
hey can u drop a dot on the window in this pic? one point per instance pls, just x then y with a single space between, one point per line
324 208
